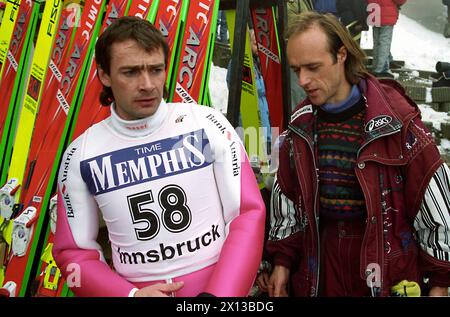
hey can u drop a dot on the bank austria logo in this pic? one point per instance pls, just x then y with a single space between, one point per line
377 123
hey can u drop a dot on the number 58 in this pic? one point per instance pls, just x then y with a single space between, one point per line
175 216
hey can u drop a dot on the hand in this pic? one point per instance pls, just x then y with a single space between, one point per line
438 291
263 281
159 290
278 281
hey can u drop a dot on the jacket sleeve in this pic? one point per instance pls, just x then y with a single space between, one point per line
433 228
427 203
283 216
285 235
243 211
76 251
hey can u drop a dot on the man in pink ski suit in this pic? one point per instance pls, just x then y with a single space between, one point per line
171 181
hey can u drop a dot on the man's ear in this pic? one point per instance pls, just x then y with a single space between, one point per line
342 54
104 77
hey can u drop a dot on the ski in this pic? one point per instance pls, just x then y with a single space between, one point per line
144 9
9 191
14 69
48 281
11 11
249 110
269 55
169 20
33 94
46 148
191 74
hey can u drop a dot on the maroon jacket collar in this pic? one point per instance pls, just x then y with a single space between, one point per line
388 111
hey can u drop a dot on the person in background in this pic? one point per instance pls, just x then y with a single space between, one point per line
447 25
172 182
384 15
369 193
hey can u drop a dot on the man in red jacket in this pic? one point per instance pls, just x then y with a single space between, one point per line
383 15
361 201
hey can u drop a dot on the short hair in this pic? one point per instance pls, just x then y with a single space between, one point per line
337 36
122 29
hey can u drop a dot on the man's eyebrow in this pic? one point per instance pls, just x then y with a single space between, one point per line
307 65
314 63
136 67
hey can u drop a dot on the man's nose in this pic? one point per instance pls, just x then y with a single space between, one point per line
303 78
146 81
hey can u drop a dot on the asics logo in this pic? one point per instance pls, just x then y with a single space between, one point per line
377 123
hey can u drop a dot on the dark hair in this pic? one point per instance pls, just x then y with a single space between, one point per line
337 36
122 29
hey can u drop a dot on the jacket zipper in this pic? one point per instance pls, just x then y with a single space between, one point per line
297 132
373 291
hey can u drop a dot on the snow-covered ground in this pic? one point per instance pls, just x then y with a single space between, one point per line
419 47
431 115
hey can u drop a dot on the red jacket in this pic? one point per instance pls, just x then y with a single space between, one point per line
394 166
388 10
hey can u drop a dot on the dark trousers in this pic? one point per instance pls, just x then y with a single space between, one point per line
340 244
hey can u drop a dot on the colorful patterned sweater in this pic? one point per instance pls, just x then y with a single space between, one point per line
339 137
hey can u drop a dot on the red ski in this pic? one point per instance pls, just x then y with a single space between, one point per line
269 55
169 20
191 74
141 8
11 79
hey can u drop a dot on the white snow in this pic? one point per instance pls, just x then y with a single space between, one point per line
419 47
444 147
431 115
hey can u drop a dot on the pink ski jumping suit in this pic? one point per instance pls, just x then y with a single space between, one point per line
179 200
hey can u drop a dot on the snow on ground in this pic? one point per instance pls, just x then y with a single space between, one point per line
419 47
430 115
437 118
445 146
